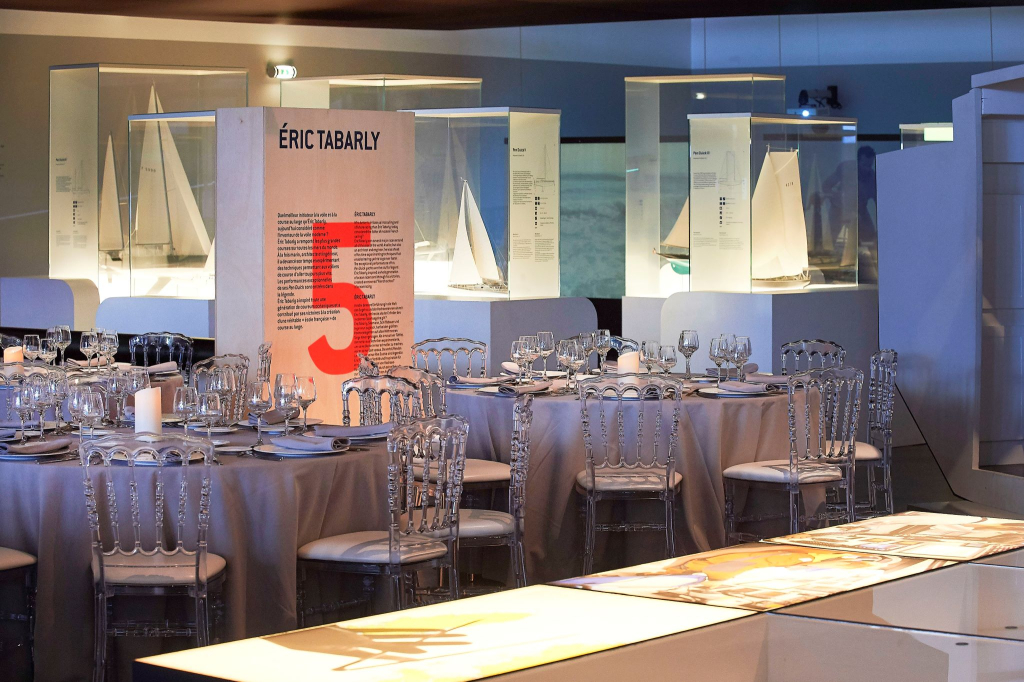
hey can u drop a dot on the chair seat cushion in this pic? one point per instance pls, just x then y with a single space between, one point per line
371 547
866 452
12 558
777 471
158 569
476 471
628 481
482 523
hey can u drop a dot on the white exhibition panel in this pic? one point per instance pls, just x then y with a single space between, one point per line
138 315
499 323
641 317
37 303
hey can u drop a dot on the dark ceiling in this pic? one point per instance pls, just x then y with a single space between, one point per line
460 14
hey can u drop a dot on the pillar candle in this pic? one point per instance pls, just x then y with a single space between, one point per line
628 362
148 411
14 354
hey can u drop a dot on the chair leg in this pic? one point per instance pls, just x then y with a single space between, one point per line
872 489
670 525
396 589
518 562
300 596
794 510
99 668
730 512
887 483
590 539
202 620
453 572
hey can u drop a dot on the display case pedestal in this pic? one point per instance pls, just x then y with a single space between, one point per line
499 323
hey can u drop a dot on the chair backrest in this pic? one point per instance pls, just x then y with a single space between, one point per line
120 506
432 389
403 399
620 344
882 392
367 367
628 440
153 348
444 357
263 358
237 364
432 450
824 409
522 418
808 354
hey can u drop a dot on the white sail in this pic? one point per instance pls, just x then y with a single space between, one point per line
447 219
779 234
111 238
483 252
464 272
679 237
152 222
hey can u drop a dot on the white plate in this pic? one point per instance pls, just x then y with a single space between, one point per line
201 428
493 390
233 449
15 457
271 449
715 392
96 432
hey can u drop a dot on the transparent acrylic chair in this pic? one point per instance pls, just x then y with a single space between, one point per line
875 455
155 479
263 360
824 409
370 392
808 354
630 452
152 348
235 363
449 357
421 533
432 392
16 644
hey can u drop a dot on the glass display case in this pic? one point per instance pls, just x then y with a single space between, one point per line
380 92
658 165
773 202
172 204
918 134
487 202
88 167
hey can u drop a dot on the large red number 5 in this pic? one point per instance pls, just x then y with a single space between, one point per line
339 295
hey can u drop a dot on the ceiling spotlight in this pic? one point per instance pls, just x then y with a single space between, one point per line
700 95
284 71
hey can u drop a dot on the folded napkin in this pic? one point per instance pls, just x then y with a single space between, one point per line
272 417
776 380
309 443
8 433
353 431
162 367
510 367
476 381
744 387
95 362
14 423
21 370
514 389
35 447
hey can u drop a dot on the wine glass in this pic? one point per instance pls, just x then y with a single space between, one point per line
40 392
571 357
30 346
730 352
546 344
717 354
209 410
93 410
117 386
603 344
531 348
742 354
667 358
109 344
88 344
62 337
305 394
688 345
186 399
587 343
59 390
649 354
284 397
224 382
23 405
48 350
259 399
518 356
76 398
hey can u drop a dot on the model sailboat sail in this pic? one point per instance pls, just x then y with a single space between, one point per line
473 264
779 235
679 238
111 238
167 212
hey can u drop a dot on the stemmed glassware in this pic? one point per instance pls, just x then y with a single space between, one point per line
741 353
224 383
717 353
689 344
570 356
61 335
603 344
305 394
108 345
667 358
531 349
47 350
30 347
284 397
730 353
43 400
92 411
76 398
138 379
88 344
117 386
519 356
649 351
23 405
59 390
587 342
208 409
546 345
259 399
186 402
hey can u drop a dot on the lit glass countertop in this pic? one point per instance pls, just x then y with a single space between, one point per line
968 599
461 640
756 576
918 534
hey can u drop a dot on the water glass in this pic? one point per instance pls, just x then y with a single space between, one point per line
23 405
76 398
649 351
40 392
667 358
742 354
305 394
186 402
48 350
109 344
117 386
531 349
30 346
209 410
62 337
224 382
519 357
546 344
284 397
58 387
88 344
588 342
688 345
717 353
603 344
94 408
259 399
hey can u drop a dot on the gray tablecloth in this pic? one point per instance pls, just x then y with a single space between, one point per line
714 434
262 512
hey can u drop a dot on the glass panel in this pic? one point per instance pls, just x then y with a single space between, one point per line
920 134
381 92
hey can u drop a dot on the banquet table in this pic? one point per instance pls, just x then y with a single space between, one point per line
714 434
262 511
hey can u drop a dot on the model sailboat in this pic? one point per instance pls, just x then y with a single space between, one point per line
473 264
676 246
167 213
779 234
110 235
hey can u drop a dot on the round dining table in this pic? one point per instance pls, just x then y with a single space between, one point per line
714 434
